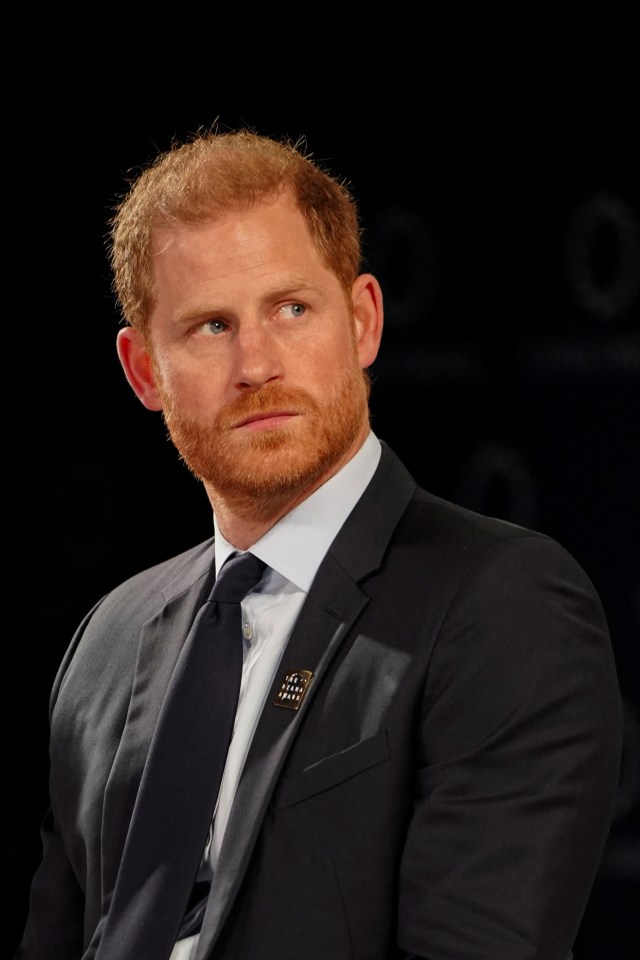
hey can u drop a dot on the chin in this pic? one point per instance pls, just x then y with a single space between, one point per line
270 464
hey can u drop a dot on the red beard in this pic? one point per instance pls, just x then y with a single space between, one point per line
255 472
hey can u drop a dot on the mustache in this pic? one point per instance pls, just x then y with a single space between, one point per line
266 400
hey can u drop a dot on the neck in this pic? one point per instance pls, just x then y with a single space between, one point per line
244 524
243 519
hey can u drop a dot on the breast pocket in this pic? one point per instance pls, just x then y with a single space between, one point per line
333 770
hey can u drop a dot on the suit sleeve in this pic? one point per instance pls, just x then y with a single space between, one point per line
54 928
519 750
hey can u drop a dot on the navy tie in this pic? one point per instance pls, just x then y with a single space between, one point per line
180 783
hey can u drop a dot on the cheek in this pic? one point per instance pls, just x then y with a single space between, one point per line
333 356
187 389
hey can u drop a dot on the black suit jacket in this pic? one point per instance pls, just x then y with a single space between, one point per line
444 790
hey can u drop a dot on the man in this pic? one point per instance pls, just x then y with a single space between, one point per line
428 729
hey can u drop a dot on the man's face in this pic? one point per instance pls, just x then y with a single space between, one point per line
257 356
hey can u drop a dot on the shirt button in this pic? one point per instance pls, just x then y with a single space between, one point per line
247 631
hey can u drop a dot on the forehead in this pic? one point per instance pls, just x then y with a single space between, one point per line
268 236
271 217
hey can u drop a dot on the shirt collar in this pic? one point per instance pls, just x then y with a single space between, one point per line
296 545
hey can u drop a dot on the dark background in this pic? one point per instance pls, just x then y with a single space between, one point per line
500 198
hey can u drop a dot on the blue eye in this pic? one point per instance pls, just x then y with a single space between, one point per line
296 310
215 326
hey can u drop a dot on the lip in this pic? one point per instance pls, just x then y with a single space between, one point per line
264 420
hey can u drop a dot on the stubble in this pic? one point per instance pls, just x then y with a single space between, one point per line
257 474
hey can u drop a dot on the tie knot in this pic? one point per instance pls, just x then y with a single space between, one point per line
237 577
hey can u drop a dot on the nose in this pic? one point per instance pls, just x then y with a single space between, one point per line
257 356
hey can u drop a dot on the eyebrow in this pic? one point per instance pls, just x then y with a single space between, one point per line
286 291
290 288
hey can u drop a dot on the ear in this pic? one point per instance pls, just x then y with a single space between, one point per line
368 316
136 363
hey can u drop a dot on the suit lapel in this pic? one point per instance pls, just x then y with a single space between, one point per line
334 602
161 641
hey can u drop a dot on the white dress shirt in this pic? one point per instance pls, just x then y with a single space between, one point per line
293 550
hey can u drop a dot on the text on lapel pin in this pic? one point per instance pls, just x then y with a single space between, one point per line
293 688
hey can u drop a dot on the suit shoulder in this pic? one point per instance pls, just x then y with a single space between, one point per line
418 531
445 519
163 580
456 542
173 570
107 638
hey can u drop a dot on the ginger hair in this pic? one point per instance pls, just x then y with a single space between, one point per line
196 181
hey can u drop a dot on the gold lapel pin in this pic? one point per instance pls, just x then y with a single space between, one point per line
293 688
